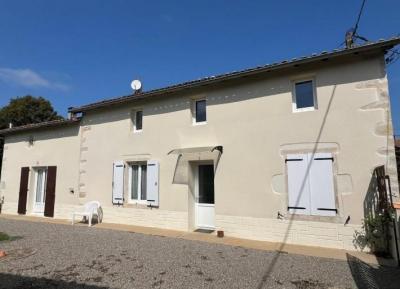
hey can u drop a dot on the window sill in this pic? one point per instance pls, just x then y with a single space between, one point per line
139 205
304 109
199 123
328 219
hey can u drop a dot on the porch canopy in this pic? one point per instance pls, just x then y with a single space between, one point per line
186 155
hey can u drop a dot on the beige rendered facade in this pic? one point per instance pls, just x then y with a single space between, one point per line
255 121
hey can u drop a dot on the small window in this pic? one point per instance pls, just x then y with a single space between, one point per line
199 112
304 98
138 121
138 181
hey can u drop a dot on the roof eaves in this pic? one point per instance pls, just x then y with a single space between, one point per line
34 126
385 44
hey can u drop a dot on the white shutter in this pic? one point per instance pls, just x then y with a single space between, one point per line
118 183
152 183
298 186
321 185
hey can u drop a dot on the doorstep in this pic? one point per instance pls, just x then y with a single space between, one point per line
338 254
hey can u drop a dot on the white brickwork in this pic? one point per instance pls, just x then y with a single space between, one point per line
321 234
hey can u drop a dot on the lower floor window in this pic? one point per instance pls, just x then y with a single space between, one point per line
138 180
311 184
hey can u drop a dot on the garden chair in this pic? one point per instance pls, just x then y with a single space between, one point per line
89 210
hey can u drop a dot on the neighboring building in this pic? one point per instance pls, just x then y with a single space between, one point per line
282 152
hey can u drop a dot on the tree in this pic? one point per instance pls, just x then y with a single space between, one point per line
25 110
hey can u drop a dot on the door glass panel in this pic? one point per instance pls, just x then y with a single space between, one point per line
206 184
134 182
143 193
39 182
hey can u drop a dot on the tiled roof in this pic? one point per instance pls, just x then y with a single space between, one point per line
294 62
52 123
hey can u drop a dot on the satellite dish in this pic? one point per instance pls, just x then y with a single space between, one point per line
136 85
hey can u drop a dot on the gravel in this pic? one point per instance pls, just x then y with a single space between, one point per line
44 255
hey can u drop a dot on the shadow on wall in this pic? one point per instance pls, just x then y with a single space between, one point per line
271 266
9 281
237 90
373 276
377 217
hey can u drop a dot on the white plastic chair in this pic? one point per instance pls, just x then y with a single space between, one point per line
89 210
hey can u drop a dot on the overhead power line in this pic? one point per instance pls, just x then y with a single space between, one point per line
359 17
351 34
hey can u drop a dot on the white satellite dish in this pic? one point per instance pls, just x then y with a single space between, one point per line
136 85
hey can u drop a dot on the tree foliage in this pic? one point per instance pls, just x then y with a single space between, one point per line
25 110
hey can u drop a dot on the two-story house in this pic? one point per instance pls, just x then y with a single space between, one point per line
281 152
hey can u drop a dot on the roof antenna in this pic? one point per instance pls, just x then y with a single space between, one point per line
351 34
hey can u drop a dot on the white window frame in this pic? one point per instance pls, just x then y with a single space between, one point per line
135 130
139 184
294 101
194 112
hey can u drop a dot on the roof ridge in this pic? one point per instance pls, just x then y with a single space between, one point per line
224 76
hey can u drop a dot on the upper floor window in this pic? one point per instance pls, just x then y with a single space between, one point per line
199 112
304 96
138 121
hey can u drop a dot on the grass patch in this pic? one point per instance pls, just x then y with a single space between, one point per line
4 237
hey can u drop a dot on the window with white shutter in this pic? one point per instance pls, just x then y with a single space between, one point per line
298 187
311 184
118 183
321 185
152 183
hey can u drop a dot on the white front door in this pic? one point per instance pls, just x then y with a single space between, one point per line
204 206
40 191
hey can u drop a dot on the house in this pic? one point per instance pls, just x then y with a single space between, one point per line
282 152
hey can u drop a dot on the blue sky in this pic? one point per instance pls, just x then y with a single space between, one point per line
76 52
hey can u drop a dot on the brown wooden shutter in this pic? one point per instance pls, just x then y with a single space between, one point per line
50 191
23 190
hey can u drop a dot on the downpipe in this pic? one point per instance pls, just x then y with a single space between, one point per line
1 203
394 221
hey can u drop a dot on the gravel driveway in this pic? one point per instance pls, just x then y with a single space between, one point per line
45 255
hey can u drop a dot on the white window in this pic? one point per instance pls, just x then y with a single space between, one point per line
199 111
310 184
137 120
138 183
304 96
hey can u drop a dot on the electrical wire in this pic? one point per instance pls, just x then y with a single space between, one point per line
393 56
359 17
355 35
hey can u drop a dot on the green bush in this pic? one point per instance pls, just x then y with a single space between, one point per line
375 233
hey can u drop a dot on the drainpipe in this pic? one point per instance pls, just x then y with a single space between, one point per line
1 203
394 221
